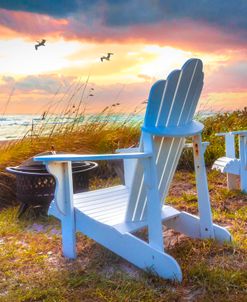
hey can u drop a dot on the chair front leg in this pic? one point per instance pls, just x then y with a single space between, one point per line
230 152
243 162
62 171
155 233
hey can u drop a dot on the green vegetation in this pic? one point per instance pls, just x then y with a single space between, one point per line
221 122
33 269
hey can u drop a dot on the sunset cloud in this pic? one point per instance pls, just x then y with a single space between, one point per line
210 24
53 8
31 25
229 14
230 78
46 83
149 38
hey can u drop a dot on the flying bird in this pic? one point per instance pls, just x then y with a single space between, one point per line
106 57
42 43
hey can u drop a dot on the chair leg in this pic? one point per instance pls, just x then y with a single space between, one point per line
190 225
68 238
243 180
155 232
68 231
63 205
243 162
231 181
204 207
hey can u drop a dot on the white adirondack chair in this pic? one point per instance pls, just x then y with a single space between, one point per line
111 215
232 165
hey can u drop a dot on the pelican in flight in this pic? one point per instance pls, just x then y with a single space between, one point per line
42 43
106 57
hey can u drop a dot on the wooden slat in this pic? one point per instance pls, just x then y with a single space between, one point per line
153 107
196 78
166 214
227 165
113 217
192 96
162 149
105 205
168 173
110 220
99 197
166 169
167 153
109 213
135 196
177 106
93 207
195 99
180 96
166 102
100 191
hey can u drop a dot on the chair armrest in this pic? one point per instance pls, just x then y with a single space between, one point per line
222 133
128 150
204 146
190 145
240 132
82 157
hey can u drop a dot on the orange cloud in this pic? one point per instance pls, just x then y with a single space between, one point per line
180 33
223 101
30 25
223 53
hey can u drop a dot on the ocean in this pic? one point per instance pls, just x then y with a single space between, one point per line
14 126
17 126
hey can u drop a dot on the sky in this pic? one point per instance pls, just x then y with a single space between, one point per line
148 39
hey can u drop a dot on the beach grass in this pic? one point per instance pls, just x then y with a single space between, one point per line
32 267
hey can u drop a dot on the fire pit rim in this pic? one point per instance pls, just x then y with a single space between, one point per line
17 169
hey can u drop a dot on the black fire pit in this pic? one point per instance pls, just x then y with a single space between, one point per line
35 186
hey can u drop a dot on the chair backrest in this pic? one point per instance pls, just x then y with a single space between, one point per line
171 105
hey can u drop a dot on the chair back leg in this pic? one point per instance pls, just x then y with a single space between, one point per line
206 223
231 181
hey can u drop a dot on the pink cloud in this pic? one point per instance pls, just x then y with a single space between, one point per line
181 33
184 34
227 78
31 25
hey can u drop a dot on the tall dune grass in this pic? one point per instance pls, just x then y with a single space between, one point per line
72 130
104 132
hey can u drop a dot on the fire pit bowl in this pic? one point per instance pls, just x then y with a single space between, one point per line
35 186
